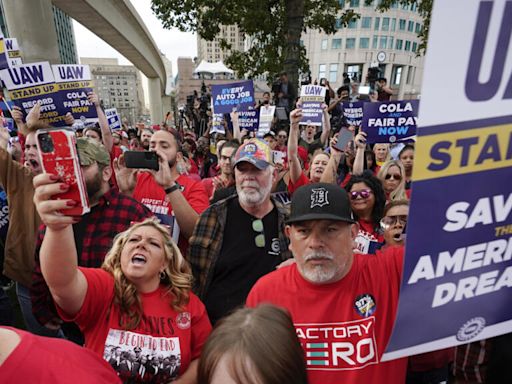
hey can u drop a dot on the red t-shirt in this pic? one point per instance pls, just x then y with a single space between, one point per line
344 326
163 334
39 359
367 239
153 196
302 180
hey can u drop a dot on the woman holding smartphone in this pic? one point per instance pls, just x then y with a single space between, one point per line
138 304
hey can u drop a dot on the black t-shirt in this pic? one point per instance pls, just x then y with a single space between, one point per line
241 263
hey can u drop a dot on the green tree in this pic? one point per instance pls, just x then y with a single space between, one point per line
275 28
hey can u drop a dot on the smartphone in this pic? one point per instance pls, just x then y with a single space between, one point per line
344 138
141 159
59 156
322 81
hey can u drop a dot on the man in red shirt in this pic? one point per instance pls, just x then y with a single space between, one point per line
175 199
342 304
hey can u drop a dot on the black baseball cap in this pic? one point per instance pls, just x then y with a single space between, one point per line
320 201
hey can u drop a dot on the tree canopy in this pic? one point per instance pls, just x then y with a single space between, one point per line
274 27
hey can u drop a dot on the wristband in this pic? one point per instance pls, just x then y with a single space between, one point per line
175 187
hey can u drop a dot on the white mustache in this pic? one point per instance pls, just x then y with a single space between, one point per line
319 255
251 184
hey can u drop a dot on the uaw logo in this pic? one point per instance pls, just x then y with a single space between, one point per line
339 346
319 197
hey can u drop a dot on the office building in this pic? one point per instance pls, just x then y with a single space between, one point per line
118 86
212 52
65 37
386 40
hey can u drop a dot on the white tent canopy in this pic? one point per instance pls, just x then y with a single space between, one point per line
212 68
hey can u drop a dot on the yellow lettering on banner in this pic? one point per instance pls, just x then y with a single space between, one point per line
462 152
2 46
37 90
75 85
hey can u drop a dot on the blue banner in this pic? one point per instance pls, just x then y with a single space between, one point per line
249 119
390 121
353 112
30 83
227 97
457 276
73 84
113 119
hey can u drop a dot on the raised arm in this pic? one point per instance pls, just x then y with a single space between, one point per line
326 126
293 139
58 257
360 141
106 135
331 170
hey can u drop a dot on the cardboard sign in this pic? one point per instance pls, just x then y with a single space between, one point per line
457 275
74 82
312 97
390 121
227 97
4 63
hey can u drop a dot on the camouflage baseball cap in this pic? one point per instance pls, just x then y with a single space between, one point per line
90 151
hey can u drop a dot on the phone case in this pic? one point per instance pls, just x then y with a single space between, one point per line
141 160
59 156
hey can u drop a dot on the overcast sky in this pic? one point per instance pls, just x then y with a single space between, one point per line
172 43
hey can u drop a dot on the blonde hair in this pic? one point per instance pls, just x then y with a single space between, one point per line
388 152
399 192
178 277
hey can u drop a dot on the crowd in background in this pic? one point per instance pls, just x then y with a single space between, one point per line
222 208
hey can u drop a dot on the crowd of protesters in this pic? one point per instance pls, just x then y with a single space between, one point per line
227 220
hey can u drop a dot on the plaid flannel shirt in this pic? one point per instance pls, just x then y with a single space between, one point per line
114 214
206 242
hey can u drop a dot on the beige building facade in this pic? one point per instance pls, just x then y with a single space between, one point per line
388 40
118 86
211 51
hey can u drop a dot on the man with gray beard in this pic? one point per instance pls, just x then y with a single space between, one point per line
241 238
342 304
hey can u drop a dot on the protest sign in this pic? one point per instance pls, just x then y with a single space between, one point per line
217 126
458 266
73 84
353 113
390 121
249 119
226 97
13 52
312 97
113 119
266 117
30 83
4 63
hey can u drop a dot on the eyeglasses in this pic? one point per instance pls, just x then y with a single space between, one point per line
259 240
364 193
393 176
388 221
